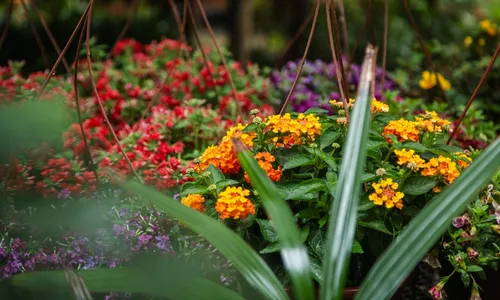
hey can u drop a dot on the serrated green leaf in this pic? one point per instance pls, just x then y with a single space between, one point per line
298 161
193 188
418 185
221 184
316 111
414 146
267 230
368 177
305 188
375 225
356 247
215 174
427 227
474 269
328 138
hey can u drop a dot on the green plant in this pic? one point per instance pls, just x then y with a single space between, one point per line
384 278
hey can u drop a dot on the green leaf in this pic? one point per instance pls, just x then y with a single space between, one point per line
342 222
298 161
221 184
316 111
286 190
308 213
414 146
356 247
374 153
130 280
193 188
267 230
427 227
418 185
215 173
305 188
375 225
328 159
368 177
328 138
474 269
317 270
271 248
293 253
244 258
447 148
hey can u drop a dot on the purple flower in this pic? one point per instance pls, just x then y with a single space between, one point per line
458 222
162 242
496 212
64 194
119 229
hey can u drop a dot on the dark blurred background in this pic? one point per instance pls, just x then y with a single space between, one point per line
256 30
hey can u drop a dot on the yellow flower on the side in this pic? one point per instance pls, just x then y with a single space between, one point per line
443 83
428 80
195 201
265 160
463 159
234 203
410 159
386 194
442 167
467 41
489 27
431 122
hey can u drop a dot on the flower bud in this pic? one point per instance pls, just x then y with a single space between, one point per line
257 120
380 172
212 187
254 112
313 145
341 112
335 145
206 174
197 160
412 166
473 231
255 192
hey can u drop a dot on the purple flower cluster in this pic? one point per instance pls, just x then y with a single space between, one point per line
317 84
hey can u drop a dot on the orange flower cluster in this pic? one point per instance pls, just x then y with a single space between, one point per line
402 129
195 201
296 131
431 122
443 167
386 194
265 160
409 159
234 203
222 156
463 159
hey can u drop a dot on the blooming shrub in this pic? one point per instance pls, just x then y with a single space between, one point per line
317 84
408 164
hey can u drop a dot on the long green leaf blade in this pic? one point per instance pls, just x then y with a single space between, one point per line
344 209
129 280
232 246
425 230
293 252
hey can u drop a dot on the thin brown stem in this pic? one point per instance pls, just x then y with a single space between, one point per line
130 20
58 61
177 18
50 35
301 66
336 60
200 46
384 51
158 94
96 92
223 59
7 23
424 49
35 34
338 50
481 82
77 101
295 38
343 24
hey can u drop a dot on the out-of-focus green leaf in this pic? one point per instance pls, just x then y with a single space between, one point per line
344 209
232 246
293 252
427 227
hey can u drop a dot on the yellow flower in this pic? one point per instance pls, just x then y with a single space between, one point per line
490 28
443 83
481 42
428 80
431 122
233 203
442 167
463 159
386 194
376 107
409 158
195 201
467 41
402 129
293 131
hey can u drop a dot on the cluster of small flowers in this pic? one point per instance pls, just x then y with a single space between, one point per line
409 130
316 78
